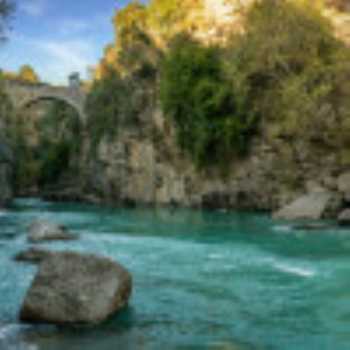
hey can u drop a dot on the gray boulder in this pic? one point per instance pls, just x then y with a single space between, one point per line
312 206
72 288
40 231
344 218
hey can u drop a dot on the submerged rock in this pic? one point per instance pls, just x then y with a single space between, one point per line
40 231
344 218
312 206
72 288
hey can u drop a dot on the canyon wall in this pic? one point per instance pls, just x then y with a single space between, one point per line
143 165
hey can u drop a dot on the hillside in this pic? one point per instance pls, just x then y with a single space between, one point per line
202 103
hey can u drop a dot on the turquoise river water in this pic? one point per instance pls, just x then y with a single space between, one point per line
202 280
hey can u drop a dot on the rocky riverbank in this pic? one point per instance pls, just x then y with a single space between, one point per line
144 166
301 146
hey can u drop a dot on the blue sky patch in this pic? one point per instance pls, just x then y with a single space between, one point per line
58 37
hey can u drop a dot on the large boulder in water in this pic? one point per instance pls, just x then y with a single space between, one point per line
72 288
312 206
41 230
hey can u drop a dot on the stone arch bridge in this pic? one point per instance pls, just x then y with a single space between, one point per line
23 95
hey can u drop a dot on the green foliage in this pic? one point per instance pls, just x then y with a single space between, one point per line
6 108
48 151
55 159
110 105
27 74
6 9
286 72
210 119
62 123
290 63
141 57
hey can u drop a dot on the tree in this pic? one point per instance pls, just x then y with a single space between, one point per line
6 9
209 116
27 74
294 69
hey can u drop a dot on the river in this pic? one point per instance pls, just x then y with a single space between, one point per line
202 280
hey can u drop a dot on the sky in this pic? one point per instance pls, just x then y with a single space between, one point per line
58 37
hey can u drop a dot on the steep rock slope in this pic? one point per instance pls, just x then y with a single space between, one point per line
145 166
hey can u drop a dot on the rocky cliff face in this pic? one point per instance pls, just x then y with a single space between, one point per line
143 165
6 173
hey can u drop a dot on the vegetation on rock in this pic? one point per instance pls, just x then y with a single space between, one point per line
25 74
284 76
47 148
292 65
112 103
210 115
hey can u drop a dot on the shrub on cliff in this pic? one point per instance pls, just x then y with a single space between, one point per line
54 161
292 65
6 108
210 118
46 148
115 103
103 105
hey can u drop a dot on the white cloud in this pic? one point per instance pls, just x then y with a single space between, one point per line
73 46
53 58
33 8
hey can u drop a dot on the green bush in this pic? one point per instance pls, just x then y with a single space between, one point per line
290 63
109 106
54 162
210 118
61 123
45 147
113 103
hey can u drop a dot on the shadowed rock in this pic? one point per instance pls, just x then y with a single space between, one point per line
72 288
33 255
344 218
40 231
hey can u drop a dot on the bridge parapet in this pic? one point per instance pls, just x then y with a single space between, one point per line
23 94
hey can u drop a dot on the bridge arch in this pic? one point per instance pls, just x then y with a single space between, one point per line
35 99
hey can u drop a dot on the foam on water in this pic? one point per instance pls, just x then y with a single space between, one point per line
215 256
295 270
282 228
10 331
